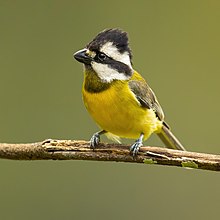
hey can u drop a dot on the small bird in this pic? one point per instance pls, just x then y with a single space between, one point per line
118 97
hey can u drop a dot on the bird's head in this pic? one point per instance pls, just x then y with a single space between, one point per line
109 55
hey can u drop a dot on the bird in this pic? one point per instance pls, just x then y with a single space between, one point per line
117 97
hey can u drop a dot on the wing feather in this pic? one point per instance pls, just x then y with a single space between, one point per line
146 97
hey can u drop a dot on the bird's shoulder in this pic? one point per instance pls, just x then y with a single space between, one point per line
144 94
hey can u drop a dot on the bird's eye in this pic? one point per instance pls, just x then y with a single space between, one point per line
102 56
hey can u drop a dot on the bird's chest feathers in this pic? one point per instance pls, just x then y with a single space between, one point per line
109 103
116 110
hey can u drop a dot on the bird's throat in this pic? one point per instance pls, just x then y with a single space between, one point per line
92 83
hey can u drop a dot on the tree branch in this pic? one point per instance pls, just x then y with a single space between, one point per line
80 150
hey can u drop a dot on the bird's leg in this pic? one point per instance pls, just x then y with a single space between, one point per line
95 139
136 146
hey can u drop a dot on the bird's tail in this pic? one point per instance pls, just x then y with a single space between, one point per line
169 139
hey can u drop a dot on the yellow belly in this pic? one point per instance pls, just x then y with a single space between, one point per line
117 111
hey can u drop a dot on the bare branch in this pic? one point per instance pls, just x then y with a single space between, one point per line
80 150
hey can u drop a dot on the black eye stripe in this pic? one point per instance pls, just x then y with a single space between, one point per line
120 67
114 64
101 57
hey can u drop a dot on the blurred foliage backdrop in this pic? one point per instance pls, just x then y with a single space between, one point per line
176 47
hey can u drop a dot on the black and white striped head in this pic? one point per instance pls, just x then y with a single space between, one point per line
109 55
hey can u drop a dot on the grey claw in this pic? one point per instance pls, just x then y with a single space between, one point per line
135 148
94 141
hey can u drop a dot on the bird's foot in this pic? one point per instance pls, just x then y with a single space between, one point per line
134 149
95 139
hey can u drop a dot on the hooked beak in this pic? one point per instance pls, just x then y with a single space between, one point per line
82 57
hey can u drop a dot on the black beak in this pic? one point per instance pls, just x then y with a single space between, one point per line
82 57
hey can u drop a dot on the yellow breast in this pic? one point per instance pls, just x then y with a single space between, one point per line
117 111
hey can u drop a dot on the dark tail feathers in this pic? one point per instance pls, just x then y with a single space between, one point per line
169 139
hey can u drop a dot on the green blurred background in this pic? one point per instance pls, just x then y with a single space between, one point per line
176 47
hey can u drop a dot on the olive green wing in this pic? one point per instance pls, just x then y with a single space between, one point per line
146 97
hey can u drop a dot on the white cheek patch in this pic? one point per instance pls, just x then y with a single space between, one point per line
107 74
110 50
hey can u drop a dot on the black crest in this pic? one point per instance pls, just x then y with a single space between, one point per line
118 37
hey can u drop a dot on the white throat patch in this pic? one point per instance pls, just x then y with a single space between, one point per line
110 50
